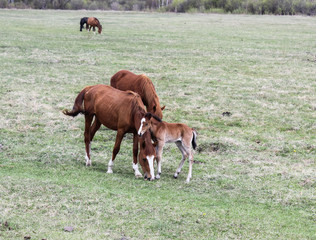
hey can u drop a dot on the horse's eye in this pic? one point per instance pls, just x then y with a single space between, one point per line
144 159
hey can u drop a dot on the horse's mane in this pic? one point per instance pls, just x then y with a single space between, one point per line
137 103
147 84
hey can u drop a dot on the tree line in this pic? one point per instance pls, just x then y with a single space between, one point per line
279 7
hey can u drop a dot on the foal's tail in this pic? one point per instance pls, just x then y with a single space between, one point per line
194 145
77 108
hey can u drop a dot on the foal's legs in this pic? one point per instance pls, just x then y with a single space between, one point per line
184 156
159 149
116 149
87 139
135 153
190 165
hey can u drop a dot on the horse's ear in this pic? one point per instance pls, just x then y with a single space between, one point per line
163 108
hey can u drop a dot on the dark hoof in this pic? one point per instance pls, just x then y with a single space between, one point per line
175 177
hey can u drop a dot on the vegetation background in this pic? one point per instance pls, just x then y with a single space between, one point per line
246 83
278 7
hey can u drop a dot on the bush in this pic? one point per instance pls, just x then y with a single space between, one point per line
77 4
3 3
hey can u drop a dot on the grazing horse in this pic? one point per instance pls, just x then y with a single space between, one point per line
93 22
146 149
141 84
82 22
181 134
117 110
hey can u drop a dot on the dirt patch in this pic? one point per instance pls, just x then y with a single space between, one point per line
226 114
211 147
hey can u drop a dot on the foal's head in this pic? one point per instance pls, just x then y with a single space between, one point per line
147 155
146 123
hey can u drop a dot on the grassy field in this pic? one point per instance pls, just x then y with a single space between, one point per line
254 176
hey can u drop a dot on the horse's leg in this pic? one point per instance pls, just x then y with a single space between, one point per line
184 156
135 153
159 150
116 149
88 120
95 127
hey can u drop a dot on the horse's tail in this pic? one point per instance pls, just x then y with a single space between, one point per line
77 108
194 145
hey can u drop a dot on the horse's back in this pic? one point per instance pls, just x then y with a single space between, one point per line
124 80
92 21
111 106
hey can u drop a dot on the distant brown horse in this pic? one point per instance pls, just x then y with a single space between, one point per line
93 22
117 110
181 134
141 84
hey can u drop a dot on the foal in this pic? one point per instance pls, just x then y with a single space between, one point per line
94 22
179 133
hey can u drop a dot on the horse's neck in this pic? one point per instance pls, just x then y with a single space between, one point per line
138 115
158 127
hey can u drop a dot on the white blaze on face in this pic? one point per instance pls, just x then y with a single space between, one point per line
141 126
151 165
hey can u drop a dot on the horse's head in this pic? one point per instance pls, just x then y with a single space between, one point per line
147 155
100 29
157 110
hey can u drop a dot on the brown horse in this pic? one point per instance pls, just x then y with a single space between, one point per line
117 110
179 133
93 22
147 149
141 84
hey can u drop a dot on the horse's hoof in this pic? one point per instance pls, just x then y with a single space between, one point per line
109 171
157 177
138 175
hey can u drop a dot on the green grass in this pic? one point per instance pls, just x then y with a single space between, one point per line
256 177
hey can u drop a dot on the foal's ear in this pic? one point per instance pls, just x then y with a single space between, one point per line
148 116
163 108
